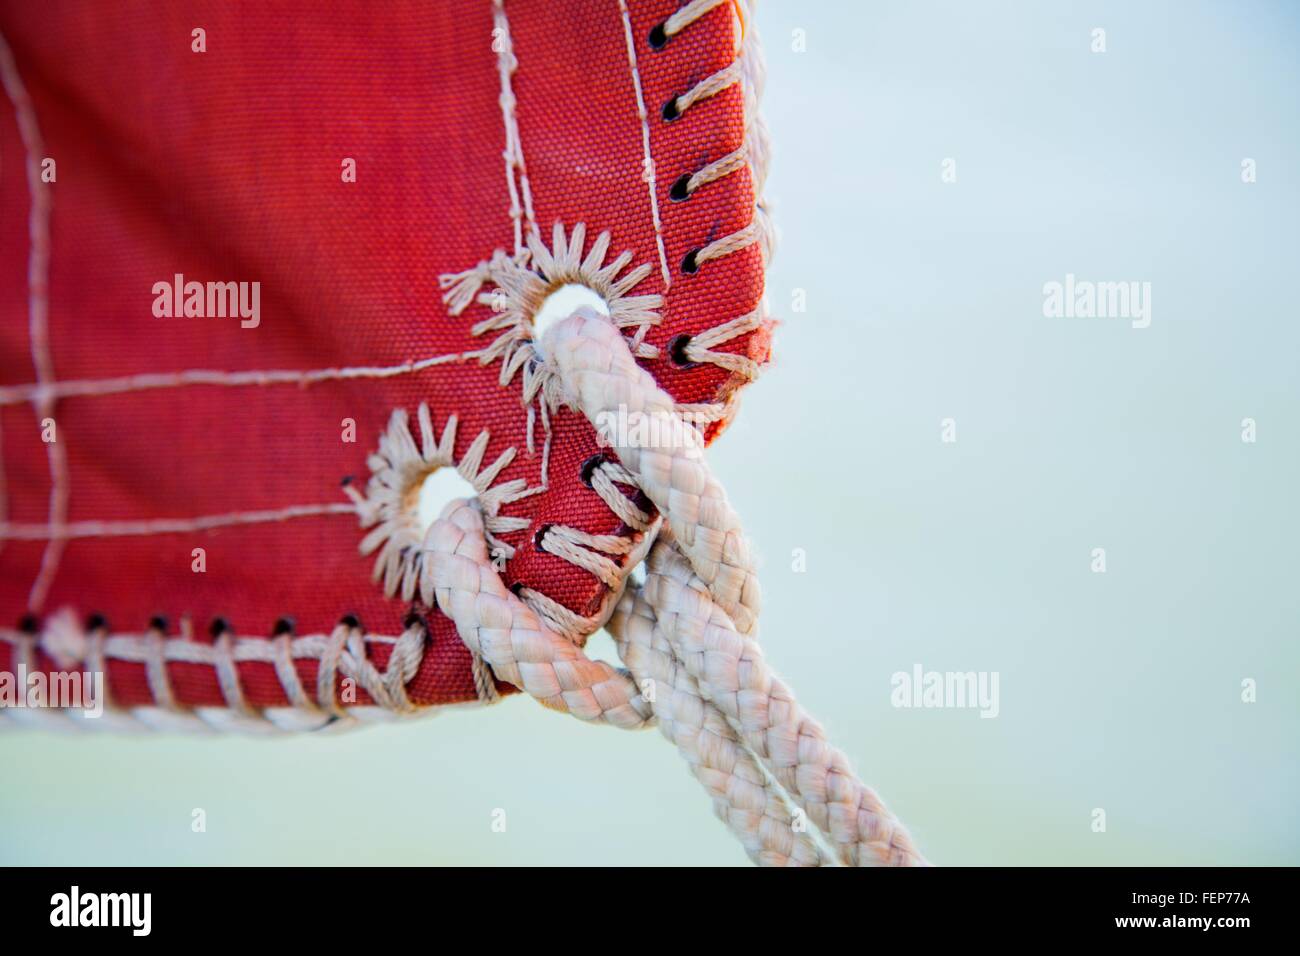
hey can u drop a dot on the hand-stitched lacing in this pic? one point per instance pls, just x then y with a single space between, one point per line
746 71
342 655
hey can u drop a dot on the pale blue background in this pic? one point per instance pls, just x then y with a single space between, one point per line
1119 691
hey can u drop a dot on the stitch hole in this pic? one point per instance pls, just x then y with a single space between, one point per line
670 111
658 37
561 302
590 465
218 627
681 190
689 264
282 626
428 497
677 352
540 537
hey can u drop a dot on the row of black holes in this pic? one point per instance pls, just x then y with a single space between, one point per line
97 622
658 39
679 192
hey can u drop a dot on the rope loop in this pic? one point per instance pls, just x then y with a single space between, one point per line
511 637
686 636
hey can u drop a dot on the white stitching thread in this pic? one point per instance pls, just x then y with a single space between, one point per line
341 653
118 529
711 85
513 153
700 347
228 674
688 15
584 550
155 663
728 244
38 268
725 166
748 69
35 392
287 674
649 169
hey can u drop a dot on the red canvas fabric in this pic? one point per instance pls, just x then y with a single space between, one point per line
225 166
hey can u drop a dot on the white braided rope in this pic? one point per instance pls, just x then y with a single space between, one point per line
733 679
701 584
599 377
340 654
527 652
745 797
509 636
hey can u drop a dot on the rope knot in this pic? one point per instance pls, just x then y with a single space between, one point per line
686 635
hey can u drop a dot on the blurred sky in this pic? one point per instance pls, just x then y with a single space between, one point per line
1119 691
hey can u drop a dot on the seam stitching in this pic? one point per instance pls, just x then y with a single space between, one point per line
38 267
18 531
341 654
648 170
513 154
76 388
753 153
